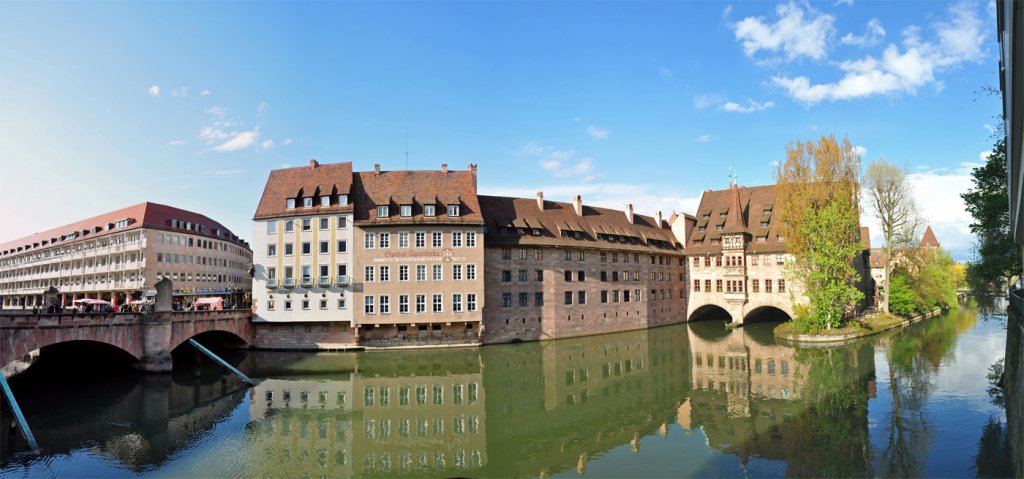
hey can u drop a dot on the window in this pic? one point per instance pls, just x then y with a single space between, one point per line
403 239
421 303
271 251
385 240
289 226
438 303
767 286
385 273
582 256
429 210
581 297
581 275
524 299
470 272
342 246
707 285
403 303
271 227
289 203
568 275
456 272
568 297
453 210
696 285
341 303
456 239
342 199
307 202
755 285
567 255
385 304
368 304
437 275
506 300
405 210
471 302
306 247
382 211
718 285
368 273
403 272
471 239
306 224
421 272
323 304
369 241
437 239
342 222
325 223
289 249
325 247
456 303
782 286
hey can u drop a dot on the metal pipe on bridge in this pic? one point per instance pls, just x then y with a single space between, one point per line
221 362
22 423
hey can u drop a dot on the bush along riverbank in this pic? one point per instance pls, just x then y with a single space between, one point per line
861 326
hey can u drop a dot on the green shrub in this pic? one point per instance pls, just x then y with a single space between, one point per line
902 299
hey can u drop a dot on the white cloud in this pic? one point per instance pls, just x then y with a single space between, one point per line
262 107
560 163
287 141
154 90
204 93
597 133
860 150
874 34
799 31
990 128
706 138
646 201
182 92
665 72
958 39
707 100
240 141
844 2
267 144
176 142
751 106
983 156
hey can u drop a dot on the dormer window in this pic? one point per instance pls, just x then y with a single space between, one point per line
453 210
701 228
307 202
290 203
764 224
342 199
718 228
405 210
382 211
429 210
706 215
724 214
767 211
325 201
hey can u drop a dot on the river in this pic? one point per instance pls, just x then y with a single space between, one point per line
687 400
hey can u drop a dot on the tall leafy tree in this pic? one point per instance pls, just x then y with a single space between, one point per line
892 201
997 256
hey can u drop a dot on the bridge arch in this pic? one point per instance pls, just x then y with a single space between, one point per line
766 313
710 312
212 338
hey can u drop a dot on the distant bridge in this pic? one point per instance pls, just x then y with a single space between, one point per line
148 337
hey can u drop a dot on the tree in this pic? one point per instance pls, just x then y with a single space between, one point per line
892 200
997 257
817 198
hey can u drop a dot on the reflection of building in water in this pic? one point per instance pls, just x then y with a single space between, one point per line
411 414
553 405
752 397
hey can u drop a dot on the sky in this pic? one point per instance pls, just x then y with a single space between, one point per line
104 105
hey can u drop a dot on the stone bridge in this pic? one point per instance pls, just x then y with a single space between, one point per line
740 311
147 337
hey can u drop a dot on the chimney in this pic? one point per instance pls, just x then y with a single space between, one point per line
376 168
657 219
444 168
472 169
577 204
313 164
540 200
629 213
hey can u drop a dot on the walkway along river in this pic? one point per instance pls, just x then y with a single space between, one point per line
687 400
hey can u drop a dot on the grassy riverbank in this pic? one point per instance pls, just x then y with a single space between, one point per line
858 327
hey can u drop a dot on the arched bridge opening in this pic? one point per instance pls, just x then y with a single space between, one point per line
188 361
766 314
78 357
710 312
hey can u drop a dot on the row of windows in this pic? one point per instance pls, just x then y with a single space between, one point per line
305 303
580 255
383 211
383 273
201 243
382 304
523 276
459 239
740 364
199 260
737 286
307 272
734 260
201 277
382 395
309 201
306 224
306 248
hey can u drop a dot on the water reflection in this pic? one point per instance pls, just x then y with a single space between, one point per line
581 406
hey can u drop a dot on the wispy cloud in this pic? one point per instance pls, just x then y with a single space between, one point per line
799 31
204 93
871 37
262 107
154 90
665 72
860 150
180 92
559 162
287 141
176 142
750 107
844 2
267 144
706 138
708 100
240 141
597 132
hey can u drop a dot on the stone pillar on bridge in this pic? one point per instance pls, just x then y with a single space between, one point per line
156 332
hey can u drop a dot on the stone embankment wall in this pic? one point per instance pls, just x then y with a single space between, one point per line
1013 382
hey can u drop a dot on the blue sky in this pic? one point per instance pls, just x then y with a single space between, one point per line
106 105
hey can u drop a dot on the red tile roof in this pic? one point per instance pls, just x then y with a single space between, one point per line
749 204
734 222
310 181
149 215
865 237
506 217
929 238
371 189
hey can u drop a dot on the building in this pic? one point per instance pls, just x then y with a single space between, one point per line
302 232
1010 32
557 270
737 258
119 256
419 257
879 259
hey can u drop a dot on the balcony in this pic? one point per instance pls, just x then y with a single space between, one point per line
325 281
289 282
342 280
272 282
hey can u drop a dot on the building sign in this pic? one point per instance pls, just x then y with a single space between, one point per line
444 255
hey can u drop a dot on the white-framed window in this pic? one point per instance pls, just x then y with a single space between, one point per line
438 272
270 304
456 272
456 303
438 239
405 210
289 203
453 210
307 224
289 249
385 273
368 304
342 222
403 304
385 240
421 272
368 274
382 211
369 241
288 305
305 304
470 272
438 303
421 239
421 303
289 226
307 202
429 210
271 229
325 223
403 272
271 250
403 239
342 246
385 304
341 303
456 239
471 302
323 302
342 199
471 239
325 247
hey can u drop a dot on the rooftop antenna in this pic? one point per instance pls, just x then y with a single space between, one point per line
732 174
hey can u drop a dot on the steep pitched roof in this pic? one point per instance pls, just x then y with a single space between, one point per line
301 182
734 222
511 221
441 188
756 206
929 238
